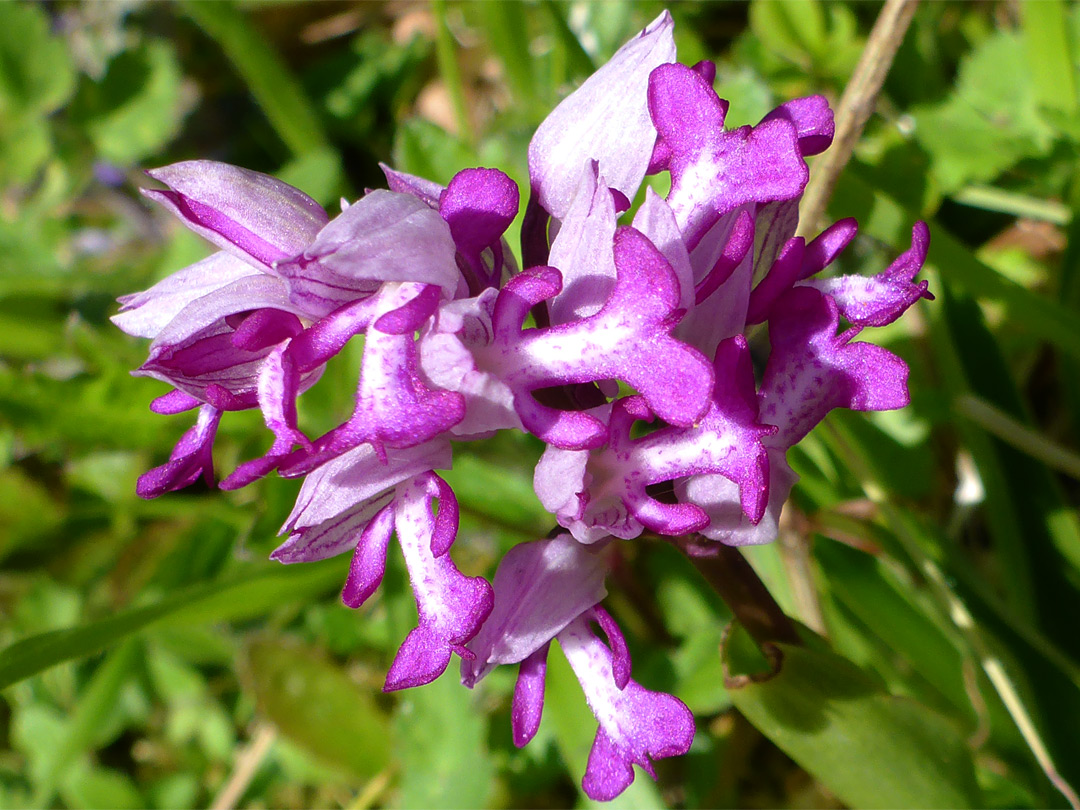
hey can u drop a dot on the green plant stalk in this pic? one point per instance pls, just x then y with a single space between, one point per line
730 574
962 618
996 421
1000 201
446 56
275 89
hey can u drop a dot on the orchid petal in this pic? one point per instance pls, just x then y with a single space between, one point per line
528 702
339 498
174 402
385 236
253 216
719 498
404 183
881 299
657 222
539 587
827 245
451 606
582 250
146 313
190 459
479 205
722 314
369 559
813 121
812 369
781 277
627 339
636 724
606 120
713 171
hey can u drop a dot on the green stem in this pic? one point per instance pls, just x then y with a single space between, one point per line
737 583
273 86
446 56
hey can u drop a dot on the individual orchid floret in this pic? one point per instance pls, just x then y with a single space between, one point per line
145 314
356 502
478 205
191 459
606 120
540 587
551 589
879 300
451 606
394 406
604 492
384 236
714 171
628 339
727 299
253 216
213 348
812 369
637 725
338 499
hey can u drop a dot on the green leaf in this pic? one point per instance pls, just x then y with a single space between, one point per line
870 748
101 787
441 742
26 146
245 596
446 55
1028 517
508 36
990 122
865 587
794 30
137 108
1053 70
95 704
276 90
36 75
316 705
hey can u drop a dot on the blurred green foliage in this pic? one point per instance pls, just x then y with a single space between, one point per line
151 655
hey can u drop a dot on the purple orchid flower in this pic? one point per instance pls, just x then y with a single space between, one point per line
551 589
663 299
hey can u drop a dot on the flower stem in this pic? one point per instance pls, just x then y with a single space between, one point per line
737 583
855 107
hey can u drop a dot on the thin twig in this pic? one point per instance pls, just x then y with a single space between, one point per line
855 107
247 763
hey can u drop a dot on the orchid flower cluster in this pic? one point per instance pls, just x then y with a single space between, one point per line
660 306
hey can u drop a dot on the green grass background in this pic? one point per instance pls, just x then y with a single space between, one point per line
151 655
